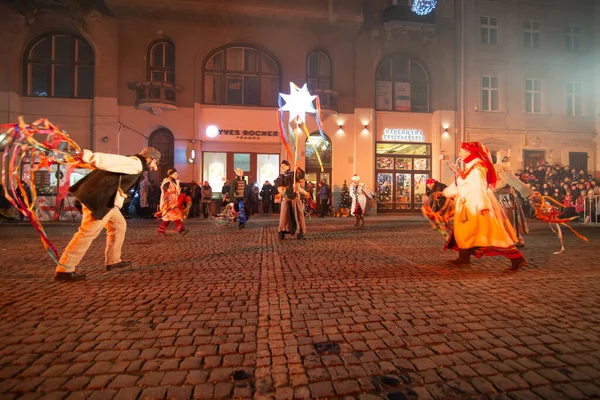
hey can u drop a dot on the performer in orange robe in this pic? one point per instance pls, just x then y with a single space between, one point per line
480 226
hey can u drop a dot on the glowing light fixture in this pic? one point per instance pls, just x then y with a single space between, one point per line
445 134
423 7
212 131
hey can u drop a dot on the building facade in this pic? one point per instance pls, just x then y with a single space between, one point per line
200 81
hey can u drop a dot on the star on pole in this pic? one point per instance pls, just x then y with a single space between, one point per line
298 102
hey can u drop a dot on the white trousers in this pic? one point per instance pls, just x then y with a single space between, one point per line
89 230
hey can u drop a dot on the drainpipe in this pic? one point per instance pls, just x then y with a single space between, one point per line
463 135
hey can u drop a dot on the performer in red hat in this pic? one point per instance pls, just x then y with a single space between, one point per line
480 225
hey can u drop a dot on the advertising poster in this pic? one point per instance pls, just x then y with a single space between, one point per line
402 96
383 92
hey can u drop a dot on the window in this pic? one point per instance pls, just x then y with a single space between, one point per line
318 74
572 38
59 65
314 145
402 84
489 30
162 140
239 75
574 100
532 34
214 171
533 96
161 61
490 94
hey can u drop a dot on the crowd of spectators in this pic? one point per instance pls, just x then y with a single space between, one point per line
578 191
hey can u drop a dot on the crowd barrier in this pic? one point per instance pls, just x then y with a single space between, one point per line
591 213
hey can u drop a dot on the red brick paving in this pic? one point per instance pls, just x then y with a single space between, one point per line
227 313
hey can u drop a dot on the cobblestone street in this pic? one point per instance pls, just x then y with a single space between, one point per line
346 313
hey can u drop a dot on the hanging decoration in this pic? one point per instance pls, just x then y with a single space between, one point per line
298 103
423 7
21 147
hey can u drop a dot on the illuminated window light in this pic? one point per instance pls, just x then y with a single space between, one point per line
423 7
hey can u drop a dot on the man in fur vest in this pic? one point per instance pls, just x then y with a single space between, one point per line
102 193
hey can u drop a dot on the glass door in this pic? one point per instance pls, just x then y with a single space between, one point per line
402 170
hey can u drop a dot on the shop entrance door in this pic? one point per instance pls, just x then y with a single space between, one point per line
315 176
402 170
578 161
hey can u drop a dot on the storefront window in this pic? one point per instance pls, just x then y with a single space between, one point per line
404 163
215 165
315 142
404 148
268 168
241 161
409 164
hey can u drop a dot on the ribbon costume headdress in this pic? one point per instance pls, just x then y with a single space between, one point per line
477 150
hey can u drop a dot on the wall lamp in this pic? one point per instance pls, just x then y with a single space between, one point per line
341 127
366 127
445 134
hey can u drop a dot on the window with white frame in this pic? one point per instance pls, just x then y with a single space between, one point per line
489 30
574 99
161 61
572 38
490 93
533 96
532 34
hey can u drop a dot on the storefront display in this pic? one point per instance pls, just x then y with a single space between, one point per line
402 170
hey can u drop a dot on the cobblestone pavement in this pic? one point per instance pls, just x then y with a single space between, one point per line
346 313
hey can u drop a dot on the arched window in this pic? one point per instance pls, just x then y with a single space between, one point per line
161 61
58 65
402 85
318 74
315 142
162 140
241 75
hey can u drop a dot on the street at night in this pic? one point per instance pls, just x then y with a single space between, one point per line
347 313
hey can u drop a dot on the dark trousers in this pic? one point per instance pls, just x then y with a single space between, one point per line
195 211
324 207
266 206
205 209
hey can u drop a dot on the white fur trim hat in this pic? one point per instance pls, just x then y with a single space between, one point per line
355 178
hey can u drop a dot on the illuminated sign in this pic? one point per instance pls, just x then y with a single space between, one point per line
403 135
247 134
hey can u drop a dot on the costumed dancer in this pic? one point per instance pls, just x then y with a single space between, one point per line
506 185
291 217
359 200
237 192
433 194
480 225
102 194
170 206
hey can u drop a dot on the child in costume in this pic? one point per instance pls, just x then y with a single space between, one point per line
170 207
359 194
289 188
480 225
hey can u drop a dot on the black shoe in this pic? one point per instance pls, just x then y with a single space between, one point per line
122 264
69 277
242 226
184 232
300 236
517 264
281 235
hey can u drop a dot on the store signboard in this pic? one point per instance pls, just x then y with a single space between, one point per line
213 132
403 135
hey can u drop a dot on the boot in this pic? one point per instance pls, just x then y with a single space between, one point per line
517 263
362 221
357 221
463 260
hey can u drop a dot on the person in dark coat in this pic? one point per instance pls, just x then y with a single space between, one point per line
433 187
267 193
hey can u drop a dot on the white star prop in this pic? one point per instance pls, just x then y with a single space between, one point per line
298 102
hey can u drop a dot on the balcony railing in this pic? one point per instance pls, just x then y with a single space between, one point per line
328 99
156 96
402 15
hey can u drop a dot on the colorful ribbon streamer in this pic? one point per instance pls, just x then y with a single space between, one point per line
20 144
